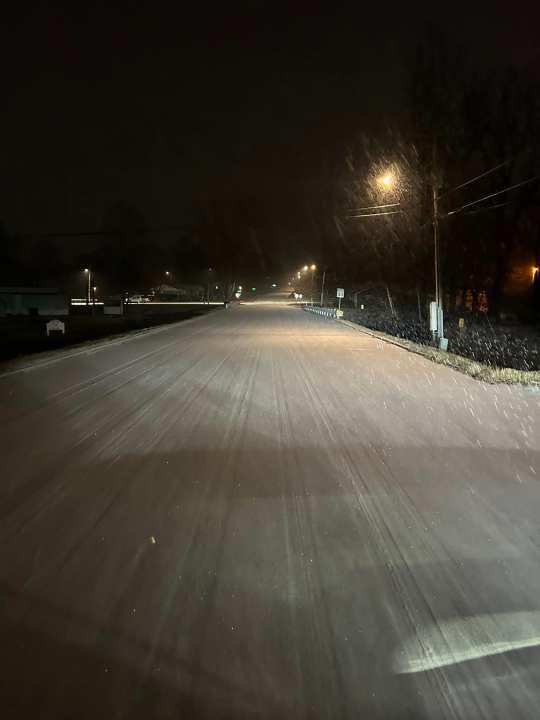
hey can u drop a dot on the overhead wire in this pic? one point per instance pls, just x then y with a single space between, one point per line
391 212
489 207
474 179
491 195
376 207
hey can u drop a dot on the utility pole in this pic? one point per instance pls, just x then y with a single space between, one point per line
439 332
322 287
88 272
208 286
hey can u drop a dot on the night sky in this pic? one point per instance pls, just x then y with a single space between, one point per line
250 103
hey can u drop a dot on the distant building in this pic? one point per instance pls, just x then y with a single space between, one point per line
32 301
183 292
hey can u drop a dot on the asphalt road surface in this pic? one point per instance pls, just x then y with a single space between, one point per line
264 514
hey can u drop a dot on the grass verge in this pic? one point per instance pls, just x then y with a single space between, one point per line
479 371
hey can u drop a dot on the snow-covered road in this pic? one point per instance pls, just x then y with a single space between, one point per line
260 513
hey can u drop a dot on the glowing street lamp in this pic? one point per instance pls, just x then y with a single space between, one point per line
386 180
312 268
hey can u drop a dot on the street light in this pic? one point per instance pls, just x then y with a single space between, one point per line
208 285
305 268
312 268
390 181
89 285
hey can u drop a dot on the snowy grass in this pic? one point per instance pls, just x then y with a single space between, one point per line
473 368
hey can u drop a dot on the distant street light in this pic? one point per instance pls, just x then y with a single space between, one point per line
312 268
88 271
305 268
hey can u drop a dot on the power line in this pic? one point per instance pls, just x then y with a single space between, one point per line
376 207
474 179
490 207
391 212
487 197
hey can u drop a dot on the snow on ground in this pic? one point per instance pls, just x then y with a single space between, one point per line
262 513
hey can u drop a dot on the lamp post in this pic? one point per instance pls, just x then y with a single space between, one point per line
385 183
438 333
88 272
208 286
322 287
312 268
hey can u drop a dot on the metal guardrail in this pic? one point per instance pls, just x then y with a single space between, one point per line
322 311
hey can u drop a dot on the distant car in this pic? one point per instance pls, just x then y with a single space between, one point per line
136 299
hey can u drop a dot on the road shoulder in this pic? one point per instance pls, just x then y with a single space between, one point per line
472 368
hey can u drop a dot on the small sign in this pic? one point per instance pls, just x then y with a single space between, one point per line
340 293
55 326
461 323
